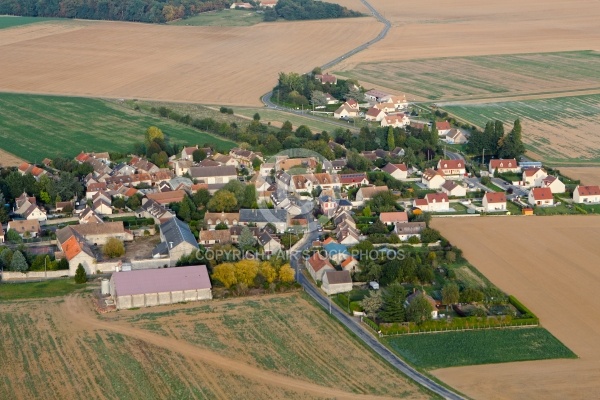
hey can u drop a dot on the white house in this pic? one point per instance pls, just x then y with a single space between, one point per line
451 188
586 194
406 230
25 228
433 179
395 121
317 265
394 217
533 177
374 114
555 185
504 165
367 193
443 128
541 197
433 202
345 111
336 282
494 201
349 264
452 169
455 136
398 171
213 175
353 180
386 107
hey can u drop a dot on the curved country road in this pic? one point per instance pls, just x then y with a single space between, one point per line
81 314
266 98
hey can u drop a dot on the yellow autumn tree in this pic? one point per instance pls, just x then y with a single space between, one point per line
153 133
286 274
225 273
268 271
246 271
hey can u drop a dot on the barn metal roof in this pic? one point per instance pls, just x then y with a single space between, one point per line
161 280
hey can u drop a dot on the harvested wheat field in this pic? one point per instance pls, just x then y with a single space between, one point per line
216 65
261 348
550 264
9 160
587 175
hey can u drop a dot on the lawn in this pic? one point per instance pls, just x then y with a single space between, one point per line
453 349
50 288
34 127
9 21
315 125
222 18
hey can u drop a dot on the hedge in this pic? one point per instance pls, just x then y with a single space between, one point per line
527 314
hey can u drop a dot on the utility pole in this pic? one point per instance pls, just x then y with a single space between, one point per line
482 157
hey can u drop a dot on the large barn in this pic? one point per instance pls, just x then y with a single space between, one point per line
153 287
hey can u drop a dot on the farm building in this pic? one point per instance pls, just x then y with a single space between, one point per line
176 240
336 282
153 287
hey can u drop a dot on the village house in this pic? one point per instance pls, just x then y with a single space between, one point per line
345 111
188 153
375 95
328 205
330 99
533 177
347 236
586 194
455 136
541 197
353 180
269 243
367 193
36 172
153 209
208 238
89 216
399 102
245 157
336 252
453 189
177 240
452 169
433 179
326 181
143 166
181 167
386 107
443 128
262 217
27 208
101 206
430 300
168 197
397 171
350 264
211 220
326 78
406 230
494 201
336 282
25 228
236 231
374 114
224 160
391 218
555 185
297 164
317 265
433 202
241 6
504 165
214 175
395 121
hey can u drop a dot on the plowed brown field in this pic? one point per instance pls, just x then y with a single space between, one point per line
550 264
62 349
587 175
215 65
9 160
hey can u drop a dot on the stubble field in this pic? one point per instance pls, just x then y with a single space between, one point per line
211 65
549 264
263 348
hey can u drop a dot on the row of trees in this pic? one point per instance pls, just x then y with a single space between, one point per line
246 274
496 142
22 261
158 11
389 306
292 10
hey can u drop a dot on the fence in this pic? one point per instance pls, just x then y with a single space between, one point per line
39 275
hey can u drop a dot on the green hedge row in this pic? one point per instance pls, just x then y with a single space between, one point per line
527 314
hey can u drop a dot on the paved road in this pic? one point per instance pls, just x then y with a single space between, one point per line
365 335
452 155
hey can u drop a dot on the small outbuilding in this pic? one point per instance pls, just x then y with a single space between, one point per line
336 282
153 287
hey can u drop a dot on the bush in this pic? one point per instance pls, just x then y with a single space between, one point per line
113 248
80 275
371 323
525 312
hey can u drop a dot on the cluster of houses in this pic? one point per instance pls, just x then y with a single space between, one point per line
387 109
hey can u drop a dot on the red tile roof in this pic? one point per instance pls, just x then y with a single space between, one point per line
588 190
398 216
501 163
443 126
436 197
451 164
542 193
495 197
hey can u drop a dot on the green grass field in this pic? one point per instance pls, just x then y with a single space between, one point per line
222 18
51 288
485 76
34 127
296 120
453 349
9 21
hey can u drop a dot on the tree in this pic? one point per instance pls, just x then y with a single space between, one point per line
246 271
318 98
246 241
201 198
184 212
198 155
429 235
18 262
419 310
471 295
153 133
450 293
390 139
286 274
371 304
366 212
511 145
225 273
221 226
13 236
223 200
5 258
80 275
393 299
113 248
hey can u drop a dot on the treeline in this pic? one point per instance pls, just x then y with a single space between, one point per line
293 10
158 11
496 142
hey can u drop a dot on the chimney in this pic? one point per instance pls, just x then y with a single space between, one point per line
170 245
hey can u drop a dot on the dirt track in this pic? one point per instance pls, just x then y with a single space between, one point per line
83 317
550 264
